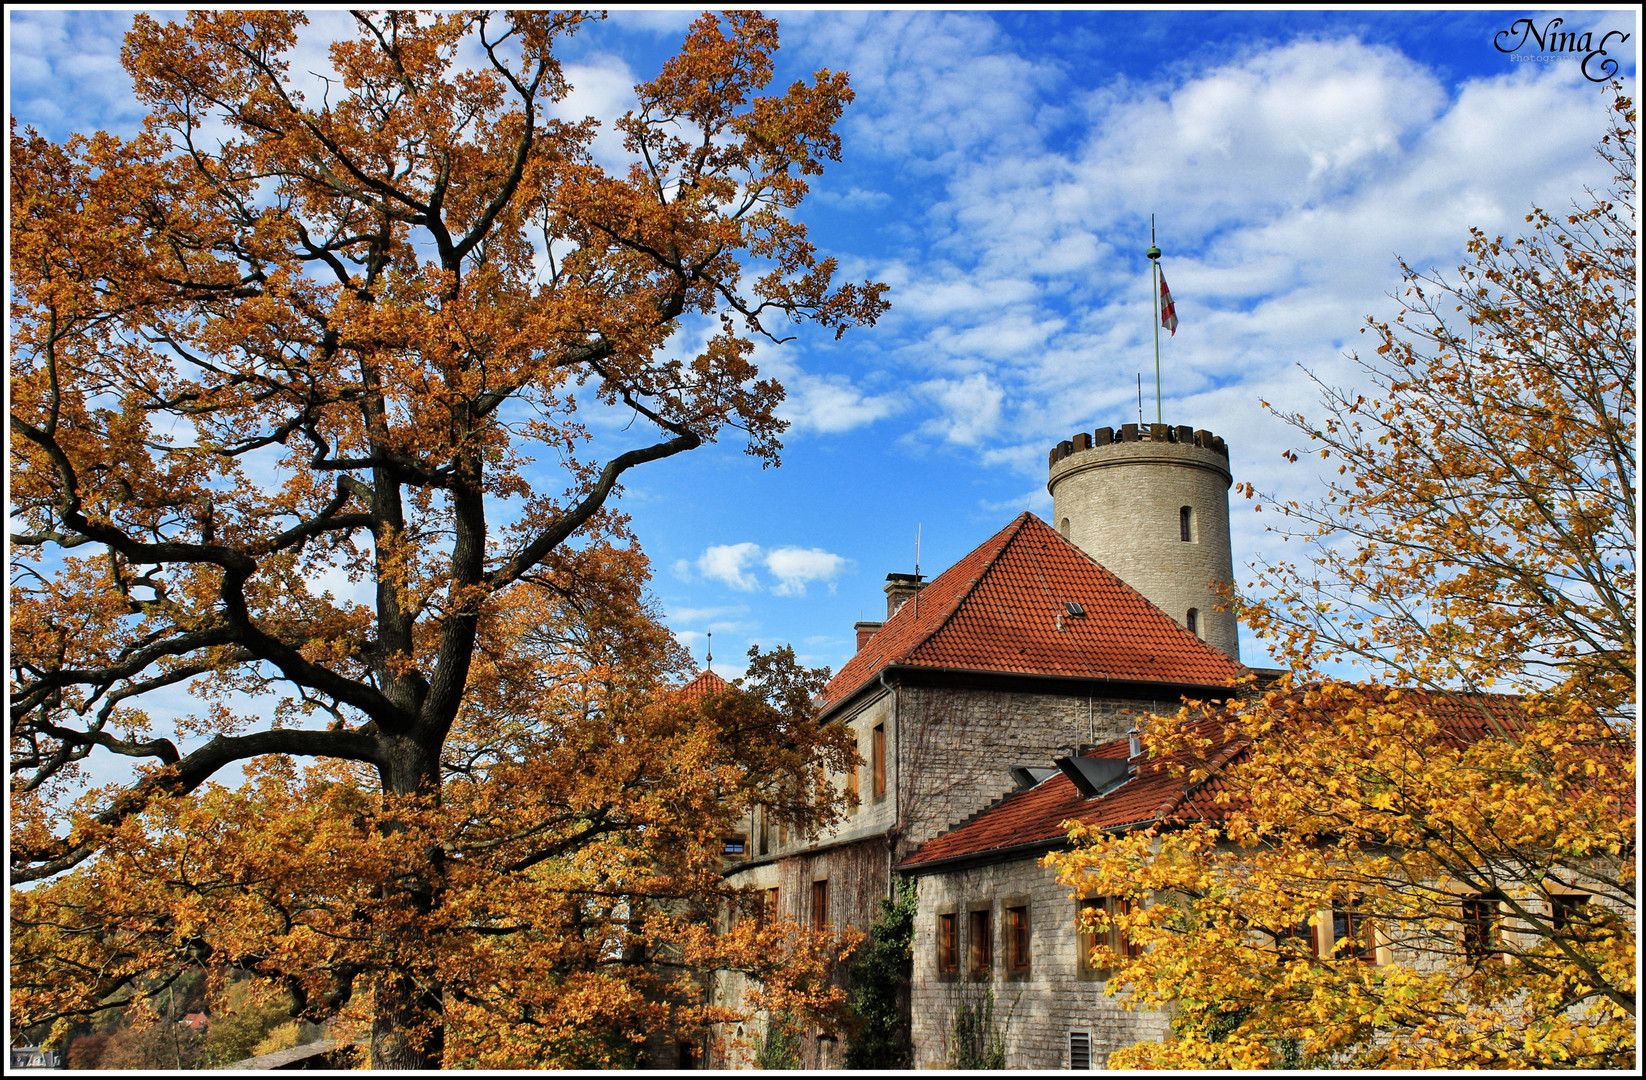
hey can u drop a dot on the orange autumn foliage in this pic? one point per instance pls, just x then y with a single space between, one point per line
1432 876
274 341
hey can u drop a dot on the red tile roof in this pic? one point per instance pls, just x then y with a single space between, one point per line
1001 609
1037 816
705 684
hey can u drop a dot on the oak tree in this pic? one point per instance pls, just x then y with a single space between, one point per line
280 340
1421 873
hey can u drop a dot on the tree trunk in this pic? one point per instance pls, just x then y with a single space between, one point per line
408 1029
408 1023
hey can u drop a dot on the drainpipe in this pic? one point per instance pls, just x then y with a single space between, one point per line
897 790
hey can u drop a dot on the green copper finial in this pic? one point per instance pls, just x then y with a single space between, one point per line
1153 252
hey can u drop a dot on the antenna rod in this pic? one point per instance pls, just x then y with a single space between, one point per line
1154 306
917 550
1140 399
709 660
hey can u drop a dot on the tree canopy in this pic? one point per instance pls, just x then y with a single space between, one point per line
1416 872
276 341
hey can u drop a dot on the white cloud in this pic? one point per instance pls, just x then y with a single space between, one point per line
728 563
971 409
735 565
831 404
705 614
793 567
602 86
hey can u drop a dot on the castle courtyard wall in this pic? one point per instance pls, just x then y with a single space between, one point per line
1036 1011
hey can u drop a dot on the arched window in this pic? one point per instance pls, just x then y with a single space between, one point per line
1185 524
1064 528
1193 622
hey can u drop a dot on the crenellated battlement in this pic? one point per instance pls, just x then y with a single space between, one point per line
1135 433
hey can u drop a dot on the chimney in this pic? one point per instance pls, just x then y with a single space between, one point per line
899 588
865 631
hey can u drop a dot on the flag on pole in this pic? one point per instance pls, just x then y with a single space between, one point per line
1168 310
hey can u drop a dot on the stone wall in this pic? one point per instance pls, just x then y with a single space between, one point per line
1035 1011
959 745
858 876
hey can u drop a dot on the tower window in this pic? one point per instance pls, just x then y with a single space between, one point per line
1064 528
1193 622
1185 524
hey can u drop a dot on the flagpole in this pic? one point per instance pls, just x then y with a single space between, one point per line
1154 280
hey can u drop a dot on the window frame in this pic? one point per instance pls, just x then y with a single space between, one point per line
1481 923
877 757
820 905
1018 938
1358 932
980 945
947 930
1114 938
1563 906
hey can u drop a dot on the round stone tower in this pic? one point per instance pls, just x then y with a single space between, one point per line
1151 504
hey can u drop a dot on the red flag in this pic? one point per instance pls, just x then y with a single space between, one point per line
1168 310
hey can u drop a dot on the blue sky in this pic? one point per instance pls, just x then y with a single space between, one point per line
999 170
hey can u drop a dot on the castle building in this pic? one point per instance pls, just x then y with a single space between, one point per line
1035 647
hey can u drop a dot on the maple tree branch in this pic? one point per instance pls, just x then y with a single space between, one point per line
569 522
186 773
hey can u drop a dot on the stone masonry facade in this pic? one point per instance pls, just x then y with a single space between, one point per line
949 746
1039 1012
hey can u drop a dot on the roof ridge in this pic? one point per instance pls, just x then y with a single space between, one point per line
1189 789
1186 632
1014 529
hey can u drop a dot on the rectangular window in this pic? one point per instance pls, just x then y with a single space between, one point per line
1080 1050
765 831
1118 941
734 845
980 944
1566 911
1087 939
1298 937
877 761
851 781
1017 940
1352 934
820 905
770 906
948 951
1482 926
